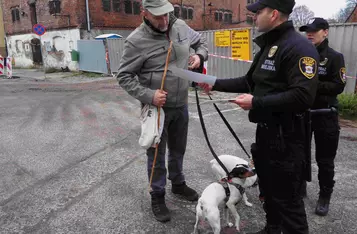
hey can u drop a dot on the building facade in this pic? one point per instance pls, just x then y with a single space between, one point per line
67 21
353 16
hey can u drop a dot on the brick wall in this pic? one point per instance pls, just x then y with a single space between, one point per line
74 8
111 19
353 17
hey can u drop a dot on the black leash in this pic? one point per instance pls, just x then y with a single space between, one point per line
205 134
230 129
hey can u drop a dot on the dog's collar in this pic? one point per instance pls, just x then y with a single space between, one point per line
225 183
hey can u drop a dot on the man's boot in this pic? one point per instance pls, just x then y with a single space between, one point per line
268 229
322 206
185 191
159 208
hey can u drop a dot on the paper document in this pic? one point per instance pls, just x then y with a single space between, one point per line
217 101
193 76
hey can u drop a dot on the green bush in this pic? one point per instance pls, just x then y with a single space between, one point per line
348 105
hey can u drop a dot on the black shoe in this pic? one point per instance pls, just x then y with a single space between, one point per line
322 206
159 207
184 191
268 229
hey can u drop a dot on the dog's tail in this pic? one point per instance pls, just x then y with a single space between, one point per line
199 213
199 210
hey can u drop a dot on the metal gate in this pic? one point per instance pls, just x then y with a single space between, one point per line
92 56
115 50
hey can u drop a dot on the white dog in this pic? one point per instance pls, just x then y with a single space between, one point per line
215 194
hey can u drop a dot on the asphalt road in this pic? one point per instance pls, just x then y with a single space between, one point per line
70 163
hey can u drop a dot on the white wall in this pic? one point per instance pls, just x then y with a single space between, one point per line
56 48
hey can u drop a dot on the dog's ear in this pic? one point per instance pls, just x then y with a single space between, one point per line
242 171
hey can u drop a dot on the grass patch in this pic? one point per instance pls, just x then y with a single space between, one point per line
92 74
82 73
52 70
348 106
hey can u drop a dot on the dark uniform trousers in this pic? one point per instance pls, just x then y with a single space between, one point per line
326 130
174 136
279 158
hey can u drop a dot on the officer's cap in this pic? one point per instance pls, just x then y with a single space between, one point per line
284 6
315 25
158 7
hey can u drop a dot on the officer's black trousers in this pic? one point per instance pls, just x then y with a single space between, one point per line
326 130
279 158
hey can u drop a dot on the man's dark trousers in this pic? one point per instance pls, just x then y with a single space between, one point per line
279 158
326 130
174 135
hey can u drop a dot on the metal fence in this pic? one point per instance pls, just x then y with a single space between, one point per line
115 50
342 38
92 56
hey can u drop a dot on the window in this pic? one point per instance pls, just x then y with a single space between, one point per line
177 11
184 13
128 7
55 6
249 19
136 6
33 14
106 5
190 13
218 16
15 13
116 5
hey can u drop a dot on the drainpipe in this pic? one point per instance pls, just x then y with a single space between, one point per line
88 18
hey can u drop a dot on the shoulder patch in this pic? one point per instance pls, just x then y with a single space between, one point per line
308 67
343 74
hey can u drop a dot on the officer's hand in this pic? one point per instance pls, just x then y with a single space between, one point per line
206 87
159 98
194 61
244 101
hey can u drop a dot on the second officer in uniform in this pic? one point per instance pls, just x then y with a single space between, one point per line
332 80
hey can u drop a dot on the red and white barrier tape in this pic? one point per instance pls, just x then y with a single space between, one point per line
248 61
231 58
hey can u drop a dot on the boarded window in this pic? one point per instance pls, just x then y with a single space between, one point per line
190 13
55 6
128 7
136 6
116 5
177 11
15 14
33 14
106 5
184 13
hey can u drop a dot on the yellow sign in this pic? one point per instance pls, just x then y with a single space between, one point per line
241 44
222 38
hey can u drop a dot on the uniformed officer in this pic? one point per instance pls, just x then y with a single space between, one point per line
325 127
281 83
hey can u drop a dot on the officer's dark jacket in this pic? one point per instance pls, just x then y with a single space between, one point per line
282 78
332 78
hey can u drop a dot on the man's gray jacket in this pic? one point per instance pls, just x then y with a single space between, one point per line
143 61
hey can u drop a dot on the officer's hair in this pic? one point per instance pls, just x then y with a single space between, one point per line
284 16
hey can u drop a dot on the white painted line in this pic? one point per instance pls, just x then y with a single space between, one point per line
195 114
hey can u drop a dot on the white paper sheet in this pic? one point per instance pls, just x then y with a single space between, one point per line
192 76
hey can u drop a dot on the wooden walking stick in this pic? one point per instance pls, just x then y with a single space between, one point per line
158 111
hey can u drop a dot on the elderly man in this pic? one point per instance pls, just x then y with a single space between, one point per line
140 74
